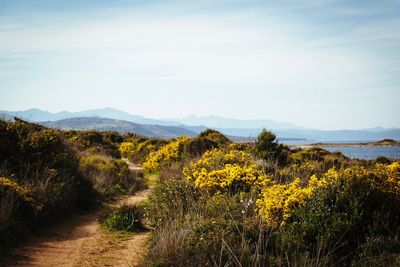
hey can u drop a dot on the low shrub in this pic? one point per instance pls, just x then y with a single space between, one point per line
220 139
109 176
170 200
95 142
18 212
197 146
231 171
171 152
125 218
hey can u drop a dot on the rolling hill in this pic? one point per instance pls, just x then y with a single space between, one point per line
117 120
103 124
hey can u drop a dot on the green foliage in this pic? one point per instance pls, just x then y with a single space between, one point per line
171 199
41 159
317 209
18 212
267 148
125 218
215 136
51 173
144 146
197 146
95 142
109 176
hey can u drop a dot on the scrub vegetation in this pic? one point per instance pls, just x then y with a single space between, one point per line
46 175
263 204
216 203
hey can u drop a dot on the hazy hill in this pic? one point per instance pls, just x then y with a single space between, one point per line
36 115
124 122
221 122
103 124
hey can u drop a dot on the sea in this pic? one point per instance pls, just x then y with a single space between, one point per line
360 152
366 152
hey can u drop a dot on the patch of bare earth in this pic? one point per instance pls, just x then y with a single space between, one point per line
82 242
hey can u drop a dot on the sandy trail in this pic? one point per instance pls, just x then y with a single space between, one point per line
82 242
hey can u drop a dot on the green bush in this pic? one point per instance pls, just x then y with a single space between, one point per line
340 216
267 147
18 212
109 176
144 146
215 136
125 218
95 142
170 199
197 146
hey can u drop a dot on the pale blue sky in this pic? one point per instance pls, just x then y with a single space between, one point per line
314 63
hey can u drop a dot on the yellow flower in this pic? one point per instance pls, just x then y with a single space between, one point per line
218 169
167 153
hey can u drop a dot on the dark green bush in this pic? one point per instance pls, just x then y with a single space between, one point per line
197 146
215 136
109 176
95 142
267 147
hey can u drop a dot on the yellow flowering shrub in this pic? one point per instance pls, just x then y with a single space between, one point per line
126 149
169 152
22 192
218 169
388 178
277 201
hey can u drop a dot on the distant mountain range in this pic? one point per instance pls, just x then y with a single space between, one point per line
37 115
103 124
117 120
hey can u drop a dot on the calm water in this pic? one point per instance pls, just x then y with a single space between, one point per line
366 152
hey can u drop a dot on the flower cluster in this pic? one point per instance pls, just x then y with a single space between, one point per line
22 192
126 149
167 153
218 169
278 201
388 178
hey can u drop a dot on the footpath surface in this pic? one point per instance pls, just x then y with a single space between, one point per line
81 241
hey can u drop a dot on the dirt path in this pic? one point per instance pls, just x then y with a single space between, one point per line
82 242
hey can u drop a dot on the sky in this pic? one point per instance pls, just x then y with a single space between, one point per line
315 63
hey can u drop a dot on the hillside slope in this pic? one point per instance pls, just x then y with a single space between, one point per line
102 124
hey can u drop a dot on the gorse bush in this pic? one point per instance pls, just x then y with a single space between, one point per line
126 149
344 209
197 146
41 159
269 206
231 170
18 209
215 136
47 174
143 146
109 176
95 142
167 153
278 201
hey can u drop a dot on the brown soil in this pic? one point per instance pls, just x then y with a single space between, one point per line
81 241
